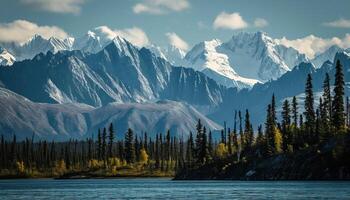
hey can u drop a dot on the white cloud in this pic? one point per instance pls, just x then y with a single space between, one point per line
312 45
260 22
177 41
158 7
22 30
229 21
135 35
56 6
340 23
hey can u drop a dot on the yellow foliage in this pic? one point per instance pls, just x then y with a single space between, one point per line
143 156
278 140
60 167
221 150
95 164
20 166
114 162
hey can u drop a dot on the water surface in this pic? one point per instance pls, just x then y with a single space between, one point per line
167 189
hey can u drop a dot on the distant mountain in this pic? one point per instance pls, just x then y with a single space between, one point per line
6 59
205 57
246 59
37 45
327 55
23 117
120 72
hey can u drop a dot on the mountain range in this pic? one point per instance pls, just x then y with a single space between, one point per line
72 87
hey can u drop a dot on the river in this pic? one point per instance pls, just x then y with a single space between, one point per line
167 189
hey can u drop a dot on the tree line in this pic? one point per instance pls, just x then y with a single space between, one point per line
165 152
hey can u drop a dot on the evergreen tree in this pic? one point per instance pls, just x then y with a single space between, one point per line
104 145
295 111
190 150
338 100
269 132
210 143
286 121
309 110
110 140
248 133
99 145
129 146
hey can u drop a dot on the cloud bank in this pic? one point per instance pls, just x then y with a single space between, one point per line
158 7
134 35
232 21
340 23
22 30
177 41
312 45
56 6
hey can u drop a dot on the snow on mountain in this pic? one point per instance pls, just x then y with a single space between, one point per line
23 117
6 59
327 55
206 58
119 73
246 59
257 56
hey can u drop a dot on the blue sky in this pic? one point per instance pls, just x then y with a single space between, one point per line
188 21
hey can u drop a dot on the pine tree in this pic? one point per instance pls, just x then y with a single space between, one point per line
129 146
241 135
269 132
210 143
260 142
110 140
309 110
104 145
273 110
286 121
326 108
295 111
190 150
99 145
338 101
248 133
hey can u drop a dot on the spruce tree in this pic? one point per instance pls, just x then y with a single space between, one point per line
286 121
269 132
190 151
104 145
110 140
338 100
295 111
309 110
129 146
248 133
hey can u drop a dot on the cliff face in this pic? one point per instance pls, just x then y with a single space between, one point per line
327 162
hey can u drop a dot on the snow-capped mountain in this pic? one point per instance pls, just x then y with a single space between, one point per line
6 58
246 59
120 72
205 57
257 56
92 42
37 45
327 55
66 121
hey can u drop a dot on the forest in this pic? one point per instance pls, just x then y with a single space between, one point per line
314 144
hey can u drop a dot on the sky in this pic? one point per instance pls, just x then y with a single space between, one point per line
309 26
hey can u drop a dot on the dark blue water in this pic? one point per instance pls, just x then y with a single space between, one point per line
167 189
